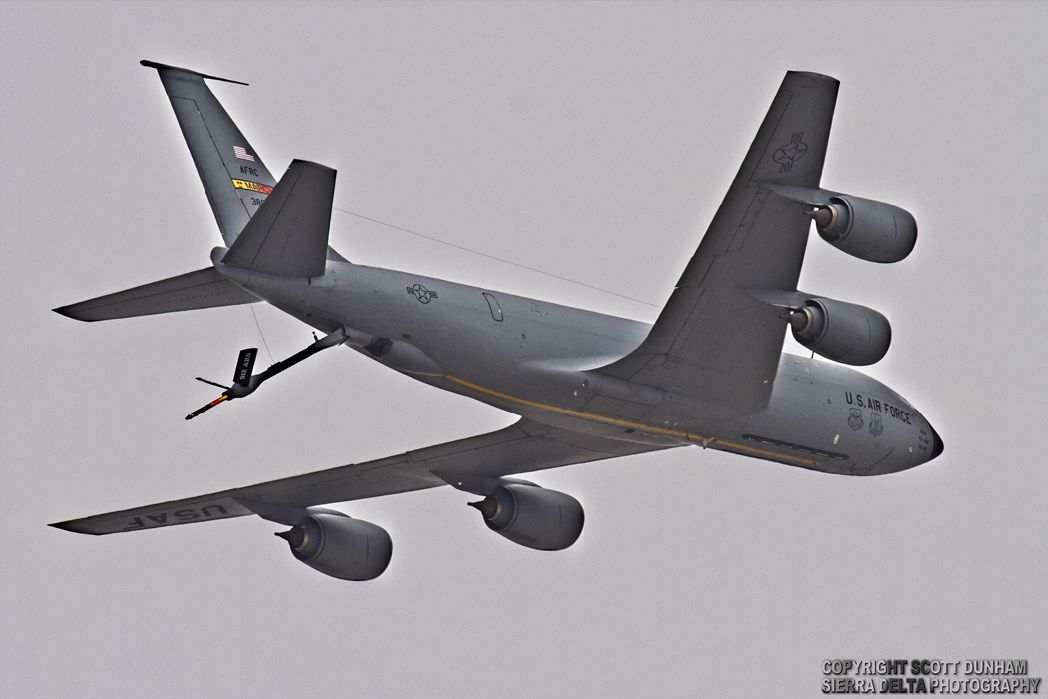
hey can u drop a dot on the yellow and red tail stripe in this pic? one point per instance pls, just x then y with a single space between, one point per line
253 186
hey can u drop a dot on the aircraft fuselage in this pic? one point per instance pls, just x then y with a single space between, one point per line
537 359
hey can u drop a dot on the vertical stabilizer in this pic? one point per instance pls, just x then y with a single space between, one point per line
235 180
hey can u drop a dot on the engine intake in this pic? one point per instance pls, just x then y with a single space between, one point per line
844 332
340 546
531 516
867 229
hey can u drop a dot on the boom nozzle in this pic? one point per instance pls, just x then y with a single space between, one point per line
201 411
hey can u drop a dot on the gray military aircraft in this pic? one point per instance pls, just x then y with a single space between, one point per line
587 386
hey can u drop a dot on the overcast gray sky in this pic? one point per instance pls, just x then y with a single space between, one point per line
592 141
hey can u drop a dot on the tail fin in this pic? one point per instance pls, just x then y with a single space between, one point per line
235 180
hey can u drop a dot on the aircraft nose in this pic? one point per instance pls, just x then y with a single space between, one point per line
937 446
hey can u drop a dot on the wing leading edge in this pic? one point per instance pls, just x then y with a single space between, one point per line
713 340
524 446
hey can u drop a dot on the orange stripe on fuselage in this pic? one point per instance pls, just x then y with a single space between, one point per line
620 422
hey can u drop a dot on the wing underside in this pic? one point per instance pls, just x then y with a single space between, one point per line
521 447
713 340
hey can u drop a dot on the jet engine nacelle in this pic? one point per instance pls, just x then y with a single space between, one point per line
531 516
867 229
844 332
340 546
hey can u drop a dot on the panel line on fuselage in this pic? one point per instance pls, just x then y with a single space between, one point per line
691 437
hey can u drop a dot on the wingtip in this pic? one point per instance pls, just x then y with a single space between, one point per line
69 312
70 526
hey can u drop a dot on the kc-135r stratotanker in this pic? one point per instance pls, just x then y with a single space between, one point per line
587 386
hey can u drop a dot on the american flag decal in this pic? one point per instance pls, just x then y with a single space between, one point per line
241 152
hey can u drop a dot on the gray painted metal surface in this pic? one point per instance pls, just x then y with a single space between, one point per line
712 338
221 153
204 288
588 386
289 235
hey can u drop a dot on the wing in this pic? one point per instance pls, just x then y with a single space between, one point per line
713 340
521 447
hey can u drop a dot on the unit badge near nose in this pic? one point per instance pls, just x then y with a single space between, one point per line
855 419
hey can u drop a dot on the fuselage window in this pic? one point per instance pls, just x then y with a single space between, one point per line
493 306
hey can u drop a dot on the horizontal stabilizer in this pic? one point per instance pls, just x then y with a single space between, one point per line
289 235
204 288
